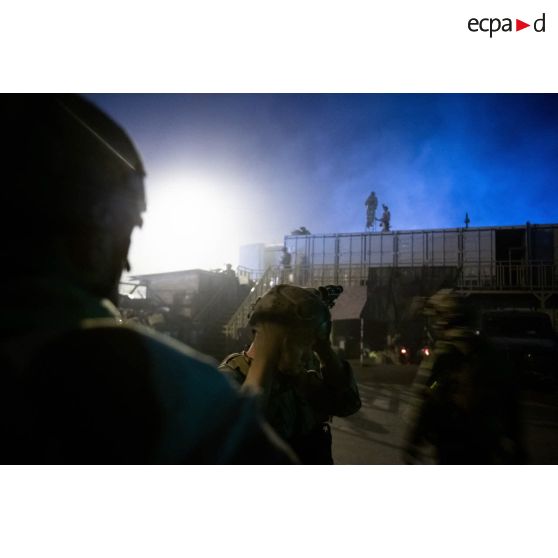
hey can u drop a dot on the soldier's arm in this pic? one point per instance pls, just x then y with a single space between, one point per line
223 425
422 416
336 392
346 397
266 351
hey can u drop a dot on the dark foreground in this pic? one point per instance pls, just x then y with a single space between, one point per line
375 434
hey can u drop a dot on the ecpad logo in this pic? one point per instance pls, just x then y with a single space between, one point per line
493 25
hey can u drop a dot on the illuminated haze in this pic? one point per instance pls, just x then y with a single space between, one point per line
227 170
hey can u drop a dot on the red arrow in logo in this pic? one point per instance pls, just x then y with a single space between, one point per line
519 25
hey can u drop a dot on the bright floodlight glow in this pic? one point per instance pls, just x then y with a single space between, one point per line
191 222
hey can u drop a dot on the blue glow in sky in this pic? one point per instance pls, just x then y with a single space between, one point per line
226 170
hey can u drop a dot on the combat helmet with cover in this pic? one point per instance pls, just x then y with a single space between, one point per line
292 306
449 315
70 173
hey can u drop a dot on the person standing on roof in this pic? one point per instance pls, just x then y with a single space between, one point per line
371 204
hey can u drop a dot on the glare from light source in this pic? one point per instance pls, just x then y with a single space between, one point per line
192 221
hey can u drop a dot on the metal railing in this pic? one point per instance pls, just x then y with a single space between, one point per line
506 276
272 276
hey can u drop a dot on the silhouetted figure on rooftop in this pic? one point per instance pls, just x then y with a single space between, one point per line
371 204
385 219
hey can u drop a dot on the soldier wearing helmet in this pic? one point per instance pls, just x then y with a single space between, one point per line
302 381
467 402
76 385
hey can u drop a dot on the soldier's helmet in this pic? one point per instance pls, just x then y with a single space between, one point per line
66 166
292 306
445 309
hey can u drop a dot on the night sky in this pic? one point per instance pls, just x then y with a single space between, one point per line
226 170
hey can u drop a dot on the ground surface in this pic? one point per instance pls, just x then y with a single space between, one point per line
375 434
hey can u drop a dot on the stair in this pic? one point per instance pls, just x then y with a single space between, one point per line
239 320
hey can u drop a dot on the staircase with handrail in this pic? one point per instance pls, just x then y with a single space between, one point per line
273 275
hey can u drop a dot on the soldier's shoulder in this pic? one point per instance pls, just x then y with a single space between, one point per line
130 344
